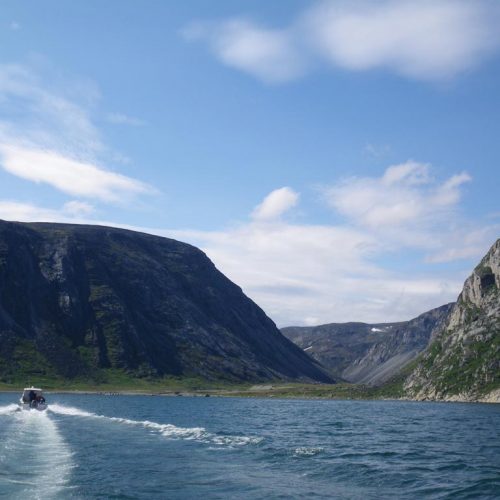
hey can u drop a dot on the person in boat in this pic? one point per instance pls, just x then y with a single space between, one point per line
32 398
40 399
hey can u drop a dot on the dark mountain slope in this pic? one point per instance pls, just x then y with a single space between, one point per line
74 299
368 353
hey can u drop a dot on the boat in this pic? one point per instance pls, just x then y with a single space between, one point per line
32 399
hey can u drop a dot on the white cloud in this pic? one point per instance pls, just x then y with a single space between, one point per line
304 274
276 204
270 55
449 193
406 208
78 208
70 176
311 274
47 137
427 40
123 119
14 26
25 212
404 198
409 173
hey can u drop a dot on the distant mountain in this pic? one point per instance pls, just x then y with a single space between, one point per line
463 361
76 299
368 353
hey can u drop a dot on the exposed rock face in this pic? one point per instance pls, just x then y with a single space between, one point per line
337 345
368 353
75 299
403 343
463 362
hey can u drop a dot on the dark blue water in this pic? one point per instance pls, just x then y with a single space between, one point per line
162 447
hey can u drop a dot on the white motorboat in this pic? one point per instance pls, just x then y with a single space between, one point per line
32 399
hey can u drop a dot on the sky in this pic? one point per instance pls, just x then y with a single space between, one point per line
337 160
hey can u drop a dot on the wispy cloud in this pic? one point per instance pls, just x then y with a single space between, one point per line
408 207
377 151
268 54
72 211
123 119
44 117
47 137
405 195
78 208
427 40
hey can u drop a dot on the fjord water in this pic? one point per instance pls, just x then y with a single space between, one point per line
90 446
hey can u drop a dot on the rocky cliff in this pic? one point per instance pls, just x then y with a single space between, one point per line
75 300
463 362
368 353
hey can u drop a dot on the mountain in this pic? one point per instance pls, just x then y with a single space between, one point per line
368 353
463 361
77 299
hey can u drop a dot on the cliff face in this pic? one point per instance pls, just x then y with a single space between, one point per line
368 353
463 362
75 299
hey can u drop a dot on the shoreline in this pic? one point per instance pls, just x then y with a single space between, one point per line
265 392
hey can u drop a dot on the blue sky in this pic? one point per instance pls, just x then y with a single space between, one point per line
338 160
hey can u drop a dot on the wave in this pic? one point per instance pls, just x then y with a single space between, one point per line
7 410
170 431
305 451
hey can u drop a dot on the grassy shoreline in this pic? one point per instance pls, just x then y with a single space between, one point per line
193 387
279 390
111 382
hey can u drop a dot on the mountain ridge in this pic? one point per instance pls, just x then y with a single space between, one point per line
368 353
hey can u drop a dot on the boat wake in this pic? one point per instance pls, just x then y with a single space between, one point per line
170 431
34 458
7 410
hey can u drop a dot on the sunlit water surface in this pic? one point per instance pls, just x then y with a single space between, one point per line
179 447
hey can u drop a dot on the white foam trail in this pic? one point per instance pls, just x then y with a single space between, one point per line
170 431
7 410
36 459
68 410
